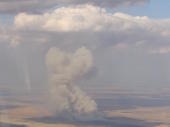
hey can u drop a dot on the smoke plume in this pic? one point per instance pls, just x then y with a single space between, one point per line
64 70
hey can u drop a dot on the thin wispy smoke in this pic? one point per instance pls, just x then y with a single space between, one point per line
64 70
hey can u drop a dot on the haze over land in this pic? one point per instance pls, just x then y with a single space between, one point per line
84 63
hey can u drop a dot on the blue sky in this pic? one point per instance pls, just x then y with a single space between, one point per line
155 9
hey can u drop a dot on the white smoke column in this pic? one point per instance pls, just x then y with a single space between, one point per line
64 69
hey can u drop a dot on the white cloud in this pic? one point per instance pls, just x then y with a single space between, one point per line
65 19
125 29
88 17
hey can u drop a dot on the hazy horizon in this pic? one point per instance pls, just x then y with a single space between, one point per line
84 63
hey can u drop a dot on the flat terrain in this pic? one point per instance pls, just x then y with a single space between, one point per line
115 109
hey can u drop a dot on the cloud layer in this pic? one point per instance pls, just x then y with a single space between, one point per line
88 18
16 6
104 3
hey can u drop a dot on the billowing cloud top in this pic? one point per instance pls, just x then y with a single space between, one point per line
87 18
15 6
83 18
